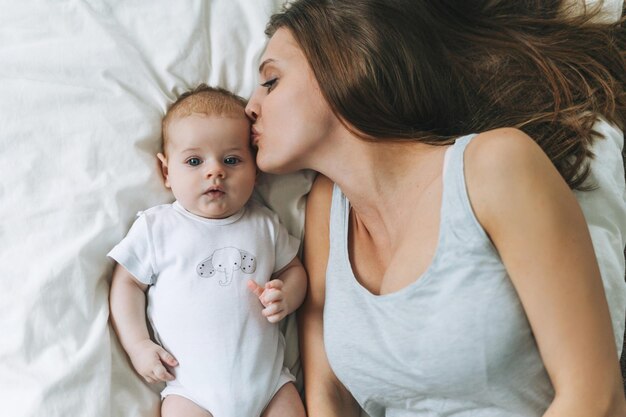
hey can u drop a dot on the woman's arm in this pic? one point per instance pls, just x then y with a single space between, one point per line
535 223
325 396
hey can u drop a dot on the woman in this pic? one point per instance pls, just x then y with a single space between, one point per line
451 273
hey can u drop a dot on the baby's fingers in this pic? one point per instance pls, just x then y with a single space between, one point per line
149 379
272 296
275 283
275 318
273 291
255 288
167 357
274 312
161 374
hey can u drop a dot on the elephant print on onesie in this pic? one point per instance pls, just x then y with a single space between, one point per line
227 261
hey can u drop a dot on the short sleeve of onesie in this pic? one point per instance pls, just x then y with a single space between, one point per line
285 247
135 252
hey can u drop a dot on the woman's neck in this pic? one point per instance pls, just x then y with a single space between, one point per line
382 180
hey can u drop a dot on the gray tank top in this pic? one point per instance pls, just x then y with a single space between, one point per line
454 343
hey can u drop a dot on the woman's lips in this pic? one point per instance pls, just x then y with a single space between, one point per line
254 136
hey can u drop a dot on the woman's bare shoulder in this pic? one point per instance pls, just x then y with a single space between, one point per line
503 157
502 146
507 172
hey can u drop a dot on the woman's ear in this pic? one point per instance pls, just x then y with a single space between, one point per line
164 171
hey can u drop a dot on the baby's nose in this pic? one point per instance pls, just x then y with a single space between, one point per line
215 170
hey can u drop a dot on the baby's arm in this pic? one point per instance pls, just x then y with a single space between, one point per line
283 294
128 316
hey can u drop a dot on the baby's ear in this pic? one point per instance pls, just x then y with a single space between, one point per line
164 171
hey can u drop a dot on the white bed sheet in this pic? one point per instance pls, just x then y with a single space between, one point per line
83 86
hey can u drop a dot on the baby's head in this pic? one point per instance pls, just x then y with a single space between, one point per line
207 159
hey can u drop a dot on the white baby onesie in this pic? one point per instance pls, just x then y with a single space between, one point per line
230 357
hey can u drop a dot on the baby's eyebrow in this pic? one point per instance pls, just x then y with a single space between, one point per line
190 150
237 149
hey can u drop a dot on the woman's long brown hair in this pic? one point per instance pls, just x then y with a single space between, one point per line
435 70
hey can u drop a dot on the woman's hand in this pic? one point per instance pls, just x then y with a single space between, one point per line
151 361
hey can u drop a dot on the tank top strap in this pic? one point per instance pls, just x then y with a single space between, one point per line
457 215
339 212
454 172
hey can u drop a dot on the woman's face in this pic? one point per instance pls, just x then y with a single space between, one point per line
291 119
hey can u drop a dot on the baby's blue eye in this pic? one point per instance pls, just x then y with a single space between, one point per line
194 162
231 160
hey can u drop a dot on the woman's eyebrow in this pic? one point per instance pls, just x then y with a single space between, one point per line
264 63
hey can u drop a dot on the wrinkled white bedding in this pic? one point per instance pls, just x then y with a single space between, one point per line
83 86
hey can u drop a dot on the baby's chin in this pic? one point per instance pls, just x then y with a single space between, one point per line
216 216
214 211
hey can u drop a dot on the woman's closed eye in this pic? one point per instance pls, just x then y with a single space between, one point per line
270 84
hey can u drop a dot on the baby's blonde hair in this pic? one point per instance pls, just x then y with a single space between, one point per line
211 101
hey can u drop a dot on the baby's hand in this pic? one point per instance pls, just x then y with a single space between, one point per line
272 298
150 361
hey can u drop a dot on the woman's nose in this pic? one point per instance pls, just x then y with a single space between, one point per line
252 108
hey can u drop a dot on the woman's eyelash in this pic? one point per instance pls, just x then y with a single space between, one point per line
269 83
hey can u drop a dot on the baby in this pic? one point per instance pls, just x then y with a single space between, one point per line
219 270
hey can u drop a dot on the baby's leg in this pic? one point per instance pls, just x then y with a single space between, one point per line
177 406
286 403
